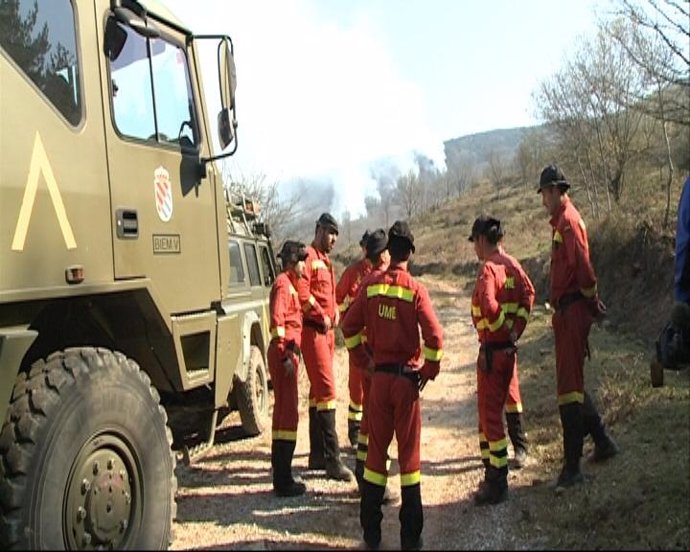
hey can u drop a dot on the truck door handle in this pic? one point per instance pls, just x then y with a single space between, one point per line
127 224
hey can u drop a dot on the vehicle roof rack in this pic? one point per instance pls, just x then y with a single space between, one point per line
243 214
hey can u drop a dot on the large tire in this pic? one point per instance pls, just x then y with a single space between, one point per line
85 457
251 396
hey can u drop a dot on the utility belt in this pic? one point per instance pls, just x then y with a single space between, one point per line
399 369
318 326
568 299
489 348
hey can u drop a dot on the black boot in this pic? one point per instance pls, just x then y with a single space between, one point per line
335 469
281 461
573 435
370 514
604 446
317 460
411 518
353 431
517 438
494 488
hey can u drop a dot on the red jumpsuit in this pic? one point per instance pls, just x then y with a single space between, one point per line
572 282
345 292
393 307
522 298
286 334
316 290
491 301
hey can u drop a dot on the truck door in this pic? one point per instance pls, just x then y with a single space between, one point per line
163 209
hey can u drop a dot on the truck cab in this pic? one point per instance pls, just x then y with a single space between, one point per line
124 304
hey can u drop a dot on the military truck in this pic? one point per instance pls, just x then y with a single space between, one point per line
133 288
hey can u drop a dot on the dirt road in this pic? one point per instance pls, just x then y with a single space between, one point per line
225 501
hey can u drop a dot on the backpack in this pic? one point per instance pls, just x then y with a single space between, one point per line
673 347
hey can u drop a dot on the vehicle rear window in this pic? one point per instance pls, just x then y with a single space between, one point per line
236 268
252 264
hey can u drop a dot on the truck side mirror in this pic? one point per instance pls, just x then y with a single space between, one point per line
227 76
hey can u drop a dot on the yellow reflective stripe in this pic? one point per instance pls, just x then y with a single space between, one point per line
495 446
510 282
284 435
433 354
498 461
476 310
343 307
485 453
352 342
515 407
363 439
354 416
325 405
522 312
278 331
376 478
356 407
408 479
386 290
582 224
498 323
572 397
510 308
317 264
362 455
589 292
557 237
292 290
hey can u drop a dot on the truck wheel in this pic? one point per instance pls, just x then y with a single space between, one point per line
85 457
252 395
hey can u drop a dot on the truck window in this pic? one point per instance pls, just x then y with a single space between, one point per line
267 266
151 93
40 37
236 268
252 264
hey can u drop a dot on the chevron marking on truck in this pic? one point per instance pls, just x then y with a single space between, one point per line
40 164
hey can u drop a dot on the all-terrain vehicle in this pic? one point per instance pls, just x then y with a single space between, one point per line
133 288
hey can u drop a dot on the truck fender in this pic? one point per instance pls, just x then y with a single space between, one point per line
250 318
14 343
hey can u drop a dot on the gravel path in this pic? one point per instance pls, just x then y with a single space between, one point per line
225 500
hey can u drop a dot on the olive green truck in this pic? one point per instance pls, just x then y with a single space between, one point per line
133 287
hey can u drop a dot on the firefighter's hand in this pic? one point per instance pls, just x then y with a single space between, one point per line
327 322
289 366
597 309
428 372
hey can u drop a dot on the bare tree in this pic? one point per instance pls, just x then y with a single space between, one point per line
658 46
408 187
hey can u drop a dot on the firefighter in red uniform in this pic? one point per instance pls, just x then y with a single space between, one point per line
393 307
501 303
378 256
283 364
345 292
525 295
573 294
316 291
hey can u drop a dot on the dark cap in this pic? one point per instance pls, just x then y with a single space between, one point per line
552 176
485 225
376 242
401 231
327 221
292 251
365 237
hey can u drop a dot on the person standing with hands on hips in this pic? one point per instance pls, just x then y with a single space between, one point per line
283 365
574 296
316 291
393 307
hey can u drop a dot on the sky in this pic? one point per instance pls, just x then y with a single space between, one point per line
327 87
